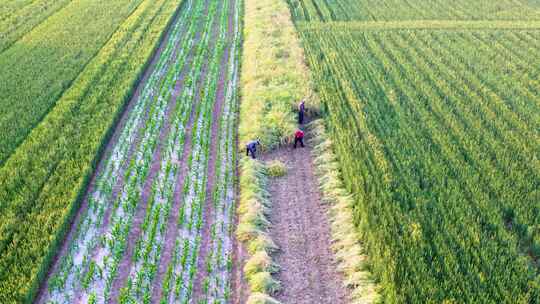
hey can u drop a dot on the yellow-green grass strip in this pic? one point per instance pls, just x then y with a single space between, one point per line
18 18
42 65
274 75
274 78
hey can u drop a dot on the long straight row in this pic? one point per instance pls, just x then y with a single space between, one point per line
138 239
344 10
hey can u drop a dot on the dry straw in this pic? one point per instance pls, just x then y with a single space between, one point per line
345 239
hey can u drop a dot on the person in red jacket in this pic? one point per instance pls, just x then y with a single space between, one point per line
299 138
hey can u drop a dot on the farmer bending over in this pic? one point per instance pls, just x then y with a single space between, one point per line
251 147
301 110
299 138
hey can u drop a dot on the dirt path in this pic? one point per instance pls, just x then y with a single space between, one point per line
300 228
239 286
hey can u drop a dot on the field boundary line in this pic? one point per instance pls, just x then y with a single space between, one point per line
420 25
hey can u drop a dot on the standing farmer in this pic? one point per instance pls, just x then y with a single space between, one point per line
299 138
251 147
301 110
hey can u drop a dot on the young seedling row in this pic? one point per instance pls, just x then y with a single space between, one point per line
218 263
119 241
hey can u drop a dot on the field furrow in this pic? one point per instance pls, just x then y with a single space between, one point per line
92 239
215 260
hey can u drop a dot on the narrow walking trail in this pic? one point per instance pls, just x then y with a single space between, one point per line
301 230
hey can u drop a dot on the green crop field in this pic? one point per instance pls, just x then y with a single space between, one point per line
19 17
372 10
435 111
63 160
36 69
72 74
124 125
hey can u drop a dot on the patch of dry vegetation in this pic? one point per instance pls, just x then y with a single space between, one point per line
345 239
274 75
274 79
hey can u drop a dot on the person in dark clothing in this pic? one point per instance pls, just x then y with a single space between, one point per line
301 111
251 147
299 138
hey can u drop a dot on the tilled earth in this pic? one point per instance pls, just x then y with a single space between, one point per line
301 230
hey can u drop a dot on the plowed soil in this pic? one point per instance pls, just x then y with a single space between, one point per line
301 230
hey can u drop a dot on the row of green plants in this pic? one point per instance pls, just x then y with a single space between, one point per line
178 283
148 250
346 10
19 17
219 260
92 275
42 183
436 139
184 268
38 68
497 26
199 91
